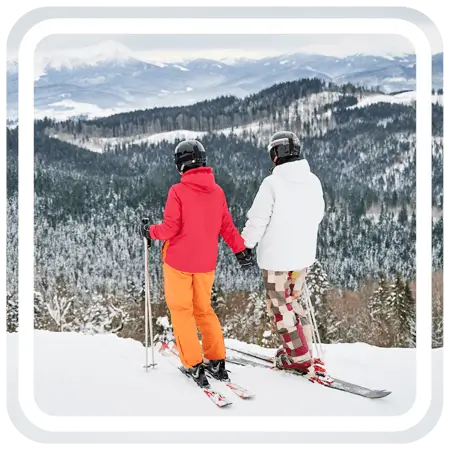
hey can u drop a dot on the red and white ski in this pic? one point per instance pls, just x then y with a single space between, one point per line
216 397
237 389
219 399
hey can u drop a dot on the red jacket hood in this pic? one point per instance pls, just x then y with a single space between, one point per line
201 179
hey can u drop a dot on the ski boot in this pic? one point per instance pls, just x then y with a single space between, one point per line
217 369
197 373
313 369
282 361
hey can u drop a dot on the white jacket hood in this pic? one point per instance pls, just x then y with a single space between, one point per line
284 218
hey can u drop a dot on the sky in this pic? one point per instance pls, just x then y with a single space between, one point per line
178 48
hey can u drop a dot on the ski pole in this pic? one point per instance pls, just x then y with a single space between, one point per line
148 306
312 318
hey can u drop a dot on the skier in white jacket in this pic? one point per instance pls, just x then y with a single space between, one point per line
284 221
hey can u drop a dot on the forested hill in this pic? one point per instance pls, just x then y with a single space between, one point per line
222 112
361 144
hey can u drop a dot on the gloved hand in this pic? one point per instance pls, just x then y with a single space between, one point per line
245 258
143 230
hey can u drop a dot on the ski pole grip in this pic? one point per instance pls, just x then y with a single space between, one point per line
145 220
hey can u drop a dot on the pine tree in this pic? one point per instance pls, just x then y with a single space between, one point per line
41 315
400 314
438 324
318 286
377 301
257 319
214 296
403 215
392 316
407 313
134 292
218 303
378 313
12 314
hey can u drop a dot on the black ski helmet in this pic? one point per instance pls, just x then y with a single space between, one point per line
283 144
189 154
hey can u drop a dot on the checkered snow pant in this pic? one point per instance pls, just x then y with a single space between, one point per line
284 290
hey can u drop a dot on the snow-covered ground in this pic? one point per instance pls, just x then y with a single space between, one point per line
103 375
99 144
407 98
66 109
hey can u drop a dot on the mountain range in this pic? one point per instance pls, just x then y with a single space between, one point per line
108 78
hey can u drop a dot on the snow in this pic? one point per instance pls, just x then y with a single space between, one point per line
285 61
98 144
103 374
67 108
408 98
251 128
395 80
228 61
163 322
108 50
181 68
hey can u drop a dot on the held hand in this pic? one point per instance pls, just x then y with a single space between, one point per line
245 258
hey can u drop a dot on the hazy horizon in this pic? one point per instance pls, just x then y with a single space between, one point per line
173 48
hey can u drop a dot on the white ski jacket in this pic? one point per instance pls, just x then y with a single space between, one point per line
285 217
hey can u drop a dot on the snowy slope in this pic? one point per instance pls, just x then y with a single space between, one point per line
304 107
407 98
99 144
104 375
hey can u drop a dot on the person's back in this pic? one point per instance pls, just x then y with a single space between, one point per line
283 221
196 214
204 217
290 238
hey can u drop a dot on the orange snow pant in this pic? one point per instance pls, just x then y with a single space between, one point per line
188 297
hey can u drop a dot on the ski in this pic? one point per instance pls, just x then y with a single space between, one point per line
217 398
341 385
266 359
237 389
247 362
324 380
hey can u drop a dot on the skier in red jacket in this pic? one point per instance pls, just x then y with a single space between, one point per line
196 214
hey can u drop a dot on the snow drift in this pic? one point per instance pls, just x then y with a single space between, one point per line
104 375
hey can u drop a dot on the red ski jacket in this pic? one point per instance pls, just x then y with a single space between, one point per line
196 214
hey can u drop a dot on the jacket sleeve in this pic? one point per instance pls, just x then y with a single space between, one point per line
229 232
258 217
172 219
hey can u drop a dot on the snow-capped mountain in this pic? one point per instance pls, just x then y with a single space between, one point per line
107 51
109 77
